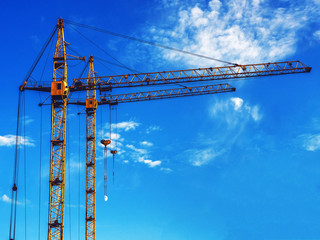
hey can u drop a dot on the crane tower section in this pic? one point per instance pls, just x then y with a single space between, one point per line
59 93
91 106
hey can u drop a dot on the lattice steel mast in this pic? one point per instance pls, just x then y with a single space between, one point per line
59 93
91 106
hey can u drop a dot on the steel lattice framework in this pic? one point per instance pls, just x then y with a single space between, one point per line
91 156
58 138
192 75
161 94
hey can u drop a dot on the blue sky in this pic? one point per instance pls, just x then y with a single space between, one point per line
241 165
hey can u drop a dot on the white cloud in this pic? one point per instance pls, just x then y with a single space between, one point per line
7 199
316 35
141 156
149 162
10 140
311 142
237 103
152 163
138 150
146 143
126 126
27 120
169 3
201 157
114 136
167 170
235 110
152 129
238 31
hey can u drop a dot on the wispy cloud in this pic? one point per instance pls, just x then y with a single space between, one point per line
129 150
166 170
27 120
146 143
230 116
152 129
235 110
316 35
238 31
138 150
311 142
10 140
142 156
126 126
202 157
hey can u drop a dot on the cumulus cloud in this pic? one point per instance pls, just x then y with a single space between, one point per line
311 142
10 140
238 31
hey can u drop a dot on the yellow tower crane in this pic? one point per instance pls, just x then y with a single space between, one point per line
60 99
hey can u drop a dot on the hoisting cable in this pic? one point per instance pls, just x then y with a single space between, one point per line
33 66
24 165
145 41
44 68
116 139
72 50
112 63
110 128
79 178
80 76
40 168
13 214
101 49
45 64
110 132
105 142
106 66
69 178
112 151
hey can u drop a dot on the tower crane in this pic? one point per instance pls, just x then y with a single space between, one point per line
60 99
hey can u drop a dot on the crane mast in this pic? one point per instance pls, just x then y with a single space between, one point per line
59 93
91 106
